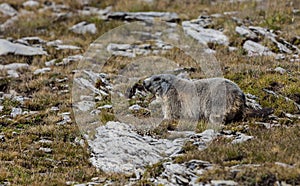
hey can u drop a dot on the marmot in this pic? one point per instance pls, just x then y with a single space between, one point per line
215 100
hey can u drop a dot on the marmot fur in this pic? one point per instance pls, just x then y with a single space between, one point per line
215 100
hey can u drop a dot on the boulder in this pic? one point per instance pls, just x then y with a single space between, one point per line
7 47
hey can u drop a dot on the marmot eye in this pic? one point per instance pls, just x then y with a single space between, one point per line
156 79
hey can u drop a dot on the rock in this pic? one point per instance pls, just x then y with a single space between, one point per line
207 136
31 40
84 27
65 118
2 138
241 138
7 10
50 63
31 3
42 71
46 150
54 43
15 112
70 59
284 165
282 45
85 105
67 47
223 182
18 49
54 109
252 103
118 148
105 107
135 107
45 141
14 66
280 70
203 35
144 16
256 49
245 32
84 2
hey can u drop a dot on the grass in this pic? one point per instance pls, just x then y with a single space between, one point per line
21 161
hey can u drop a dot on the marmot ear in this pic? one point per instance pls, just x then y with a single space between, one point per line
165 87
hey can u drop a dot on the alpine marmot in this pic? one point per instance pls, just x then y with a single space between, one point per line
215 100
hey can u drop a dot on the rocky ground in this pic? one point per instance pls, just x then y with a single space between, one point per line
43 45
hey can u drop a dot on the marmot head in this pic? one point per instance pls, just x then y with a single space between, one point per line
159 84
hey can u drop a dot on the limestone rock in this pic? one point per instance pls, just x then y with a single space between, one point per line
144 16
118 148
244 31
280 70
31 3
256 49
84 27
7 10
42 71
7 47
204 35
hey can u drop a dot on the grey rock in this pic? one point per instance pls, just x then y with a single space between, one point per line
11 69
256 49
284 165
31 3
223 182
291 116
2 138
244 31
65 118
7 47
50 63
251 102
31 40
105 107
282 44
46 150
203 35
144 16
45 141
14 66
13 73
85 105
84 27
7 10
67 47
118 47
15 112
70 59
54 109
42 71
241 138
89 85
118 148
280 70
54 43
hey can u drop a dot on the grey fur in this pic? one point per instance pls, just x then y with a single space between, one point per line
215 100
